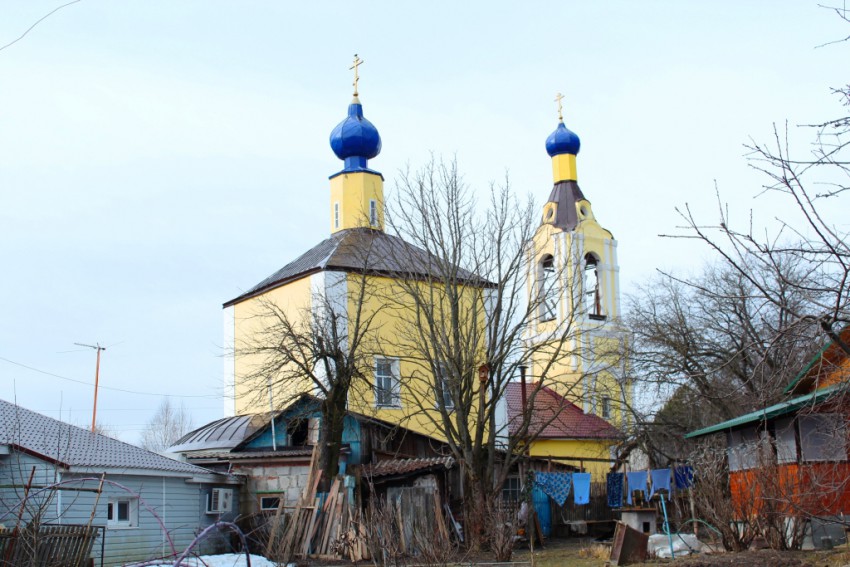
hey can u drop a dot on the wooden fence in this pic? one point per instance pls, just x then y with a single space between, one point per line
596 510
47 546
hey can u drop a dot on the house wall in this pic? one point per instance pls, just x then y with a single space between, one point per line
161 504
816 489
285 480
578 449
15 470
180 507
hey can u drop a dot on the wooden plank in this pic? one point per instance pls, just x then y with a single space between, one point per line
311 530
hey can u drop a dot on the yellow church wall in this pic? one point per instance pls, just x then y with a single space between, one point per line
395 322
576 450
294 299
352 192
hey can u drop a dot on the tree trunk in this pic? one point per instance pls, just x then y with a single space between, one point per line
330 439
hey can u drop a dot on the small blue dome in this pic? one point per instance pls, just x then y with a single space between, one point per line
355 139
562 141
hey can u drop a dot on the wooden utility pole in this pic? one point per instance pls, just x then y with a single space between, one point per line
98 348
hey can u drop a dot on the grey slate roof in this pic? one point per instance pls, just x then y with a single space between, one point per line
73 446
360 249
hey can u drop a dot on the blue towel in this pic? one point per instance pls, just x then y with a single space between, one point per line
636 481
615 490
684 477
581 490
660 481
556 485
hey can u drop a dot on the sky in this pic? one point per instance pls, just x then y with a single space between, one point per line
159 158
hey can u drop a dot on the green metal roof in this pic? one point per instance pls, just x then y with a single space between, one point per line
775 410
815 359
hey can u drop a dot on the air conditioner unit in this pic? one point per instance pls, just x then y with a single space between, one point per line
220 501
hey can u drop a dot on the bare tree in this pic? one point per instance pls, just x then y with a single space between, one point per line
811 187
713 348
466 308
327 348
168 424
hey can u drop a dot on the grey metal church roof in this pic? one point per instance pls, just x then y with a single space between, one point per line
73 446
361 250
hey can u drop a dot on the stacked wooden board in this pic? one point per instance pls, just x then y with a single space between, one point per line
323 525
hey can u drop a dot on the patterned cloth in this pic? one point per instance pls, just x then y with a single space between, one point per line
636 481
684 477
660 481
615 490
581 488
556 485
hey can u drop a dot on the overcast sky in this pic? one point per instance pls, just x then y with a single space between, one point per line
158 158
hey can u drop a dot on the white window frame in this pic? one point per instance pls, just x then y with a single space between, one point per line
220 501
605 409
373 212
336 215
279 497
113 507
440 375
381 384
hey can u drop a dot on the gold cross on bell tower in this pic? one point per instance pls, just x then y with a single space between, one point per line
357 63
558 98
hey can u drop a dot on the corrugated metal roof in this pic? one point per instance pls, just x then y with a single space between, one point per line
224 433
393 467
776 410
555 417
367 250
76 447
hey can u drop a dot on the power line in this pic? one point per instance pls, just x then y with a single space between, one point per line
209 396
29 29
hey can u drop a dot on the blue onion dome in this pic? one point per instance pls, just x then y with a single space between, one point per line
355 139
562 141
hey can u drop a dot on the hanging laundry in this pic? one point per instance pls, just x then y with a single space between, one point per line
684 477
614 486
555 485
660 481
581 488
635 481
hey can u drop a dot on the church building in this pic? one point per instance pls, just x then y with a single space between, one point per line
573 278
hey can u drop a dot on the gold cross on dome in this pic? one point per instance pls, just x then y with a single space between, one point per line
558 99
357 63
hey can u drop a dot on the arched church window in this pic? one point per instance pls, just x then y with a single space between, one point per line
547 290
592 291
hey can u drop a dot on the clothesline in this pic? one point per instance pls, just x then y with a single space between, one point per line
557 485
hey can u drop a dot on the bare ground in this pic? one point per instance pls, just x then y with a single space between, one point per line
584 553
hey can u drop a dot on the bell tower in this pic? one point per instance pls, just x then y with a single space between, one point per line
573 281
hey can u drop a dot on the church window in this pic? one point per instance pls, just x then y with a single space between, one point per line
592 292
386 383
442 384
336 215
606 408
546 290
373 212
